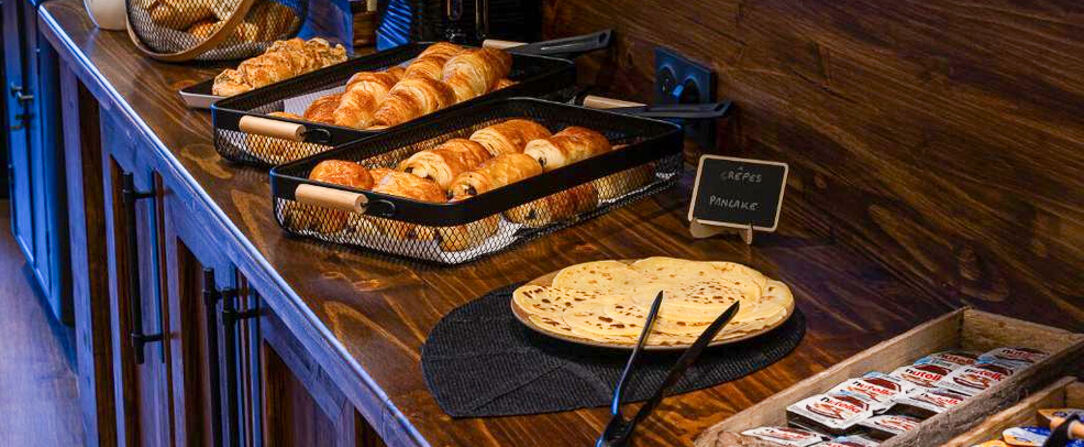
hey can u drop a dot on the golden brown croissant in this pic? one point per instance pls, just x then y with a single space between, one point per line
276 150
504 83
430 63
443 163
475 72
322 109
466 236
509 136
494 173
401 184
566 147
303 216
411 98
556 207
358 104
283 59
624 182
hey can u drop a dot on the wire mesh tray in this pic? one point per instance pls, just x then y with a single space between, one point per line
647 158
536 76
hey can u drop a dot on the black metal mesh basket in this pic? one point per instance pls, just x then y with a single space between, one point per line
646 159
178 30
535 76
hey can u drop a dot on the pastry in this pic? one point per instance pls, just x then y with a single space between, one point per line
359 101
203 29
413 97
179 14
284 59
443 163
566 147
322 109
324 220
555 207
401 184
430 63
504 83
618 184
475 72
277 150
467 236
509 136
272 20
494 173
223 9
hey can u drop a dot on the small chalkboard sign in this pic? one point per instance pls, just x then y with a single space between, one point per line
737 193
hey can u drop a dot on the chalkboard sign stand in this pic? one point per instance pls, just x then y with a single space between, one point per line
701 231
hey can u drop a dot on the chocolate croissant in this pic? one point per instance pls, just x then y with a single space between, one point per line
567 147
430 63
443 163
467 236
494 173
475 72
323 108
556 207
364 91
401 184
509 136
411 98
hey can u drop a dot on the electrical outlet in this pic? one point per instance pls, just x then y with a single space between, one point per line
679 80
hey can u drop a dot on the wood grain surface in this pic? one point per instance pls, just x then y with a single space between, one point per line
943 138
364 317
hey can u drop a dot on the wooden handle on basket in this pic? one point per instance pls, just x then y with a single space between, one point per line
602 102
498 44
272 128
331 198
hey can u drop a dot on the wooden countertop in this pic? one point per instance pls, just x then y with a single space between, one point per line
370 315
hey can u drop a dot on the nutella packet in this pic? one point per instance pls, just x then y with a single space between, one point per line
788 436
973 379
834 413
885 426
925 376
1022 356
928 402
850 441
1046 414
950 360
876 387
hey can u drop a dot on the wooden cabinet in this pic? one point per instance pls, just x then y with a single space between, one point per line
32 117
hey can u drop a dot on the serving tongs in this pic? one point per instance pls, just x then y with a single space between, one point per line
678 113
199 96
619 430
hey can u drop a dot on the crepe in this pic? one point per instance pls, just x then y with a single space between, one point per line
607 302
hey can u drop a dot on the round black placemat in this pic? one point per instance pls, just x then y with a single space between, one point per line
480 361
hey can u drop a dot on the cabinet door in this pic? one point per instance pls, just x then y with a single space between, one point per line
133 233
292 400
18 98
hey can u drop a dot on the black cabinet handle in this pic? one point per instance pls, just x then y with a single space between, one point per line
230 316
210 303
130 195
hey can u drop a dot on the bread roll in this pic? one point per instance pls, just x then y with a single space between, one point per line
475 72
443 163
566 147
494 173
509 136
556 207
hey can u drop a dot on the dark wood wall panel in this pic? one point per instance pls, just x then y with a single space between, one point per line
944 138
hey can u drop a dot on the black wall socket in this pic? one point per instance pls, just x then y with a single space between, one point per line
679 80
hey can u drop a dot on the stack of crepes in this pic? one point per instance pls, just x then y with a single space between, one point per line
607 302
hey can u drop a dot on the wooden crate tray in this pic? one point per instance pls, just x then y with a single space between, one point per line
1065 393
966 329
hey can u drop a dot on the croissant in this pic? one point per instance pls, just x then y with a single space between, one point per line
494 173
283 59
443 163
401 184
466 236
359 101
304 216
475 72
411 98
566 147
177 14
430 63
504 83
624 182
510 136
556 207
322 109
